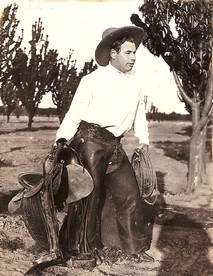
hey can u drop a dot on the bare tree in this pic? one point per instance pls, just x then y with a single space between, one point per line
188 53
35 71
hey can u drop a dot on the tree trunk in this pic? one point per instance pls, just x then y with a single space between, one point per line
30 121
203 155
9 111
60 114
197 160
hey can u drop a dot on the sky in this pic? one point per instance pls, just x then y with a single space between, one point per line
78 25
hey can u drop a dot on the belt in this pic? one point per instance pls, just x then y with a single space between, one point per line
97 132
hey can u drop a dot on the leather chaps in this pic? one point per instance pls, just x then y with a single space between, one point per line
102 155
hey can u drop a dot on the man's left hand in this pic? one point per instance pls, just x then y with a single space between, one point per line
144 146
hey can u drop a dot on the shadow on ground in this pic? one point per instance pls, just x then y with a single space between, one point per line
184 245
185 131
176 150
5 198
182 240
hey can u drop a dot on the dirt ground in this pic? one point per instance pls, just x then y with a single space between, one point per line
181 236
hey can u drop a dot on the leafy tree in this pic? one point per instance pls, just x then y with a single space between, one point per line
65 85
89 67
35 71
8 46
8 43
188 52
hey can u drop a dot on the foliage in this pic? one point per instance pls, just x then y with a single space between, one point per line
36 71
188 49
88 68
27 77
65 85
8 96
159 116
8 44
188 52
18 109
50 111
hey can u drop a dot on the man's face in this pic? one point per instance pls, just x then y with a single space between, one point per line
125 59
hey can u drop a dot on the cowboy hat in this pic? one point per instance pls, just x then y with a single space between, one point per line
110 35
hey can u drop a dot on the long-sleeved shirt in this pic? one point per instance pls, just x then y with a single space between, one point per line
111 99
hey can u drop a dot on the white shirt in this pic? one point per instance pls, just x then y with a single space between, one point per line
111 99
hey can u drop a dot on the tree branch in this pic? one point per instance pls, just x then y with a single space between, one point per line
204 120
182 92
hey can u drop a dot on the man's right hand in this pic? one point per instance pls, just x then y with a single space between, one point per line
60 142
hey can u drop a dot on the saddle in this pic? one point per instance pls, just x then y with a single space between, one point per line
64 181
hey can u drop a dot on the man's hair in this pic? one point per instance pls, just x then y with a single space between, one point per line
117 44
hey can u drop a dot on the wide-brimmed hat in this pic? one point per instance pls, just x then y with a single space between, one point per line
109 36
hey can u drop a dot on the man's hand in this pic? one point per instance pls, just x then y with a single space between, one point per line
144 146
60 142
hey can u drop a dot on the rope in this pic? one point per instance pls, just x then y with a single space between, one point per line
145 176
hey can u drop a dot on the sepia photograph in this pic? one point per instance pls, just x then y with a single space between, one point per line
106 123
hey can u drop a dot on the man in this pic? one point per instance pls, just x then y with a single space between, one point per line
107 104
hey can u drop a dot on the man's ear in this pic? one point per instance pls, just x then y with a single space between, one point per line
113 54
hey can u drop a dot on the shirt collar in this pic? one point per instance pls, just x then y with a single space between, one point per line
112 68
